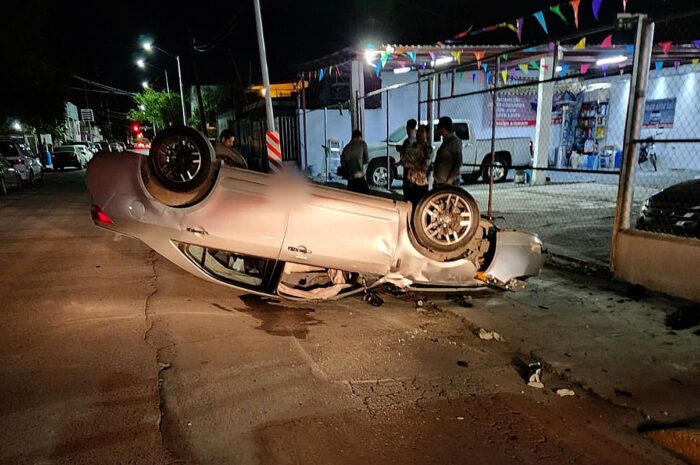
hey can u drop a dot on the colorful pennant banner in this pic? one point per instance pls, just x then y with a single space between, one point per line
659 65
584 68
556 9
665 46
596 9
607 42
581 44
574 5
540 19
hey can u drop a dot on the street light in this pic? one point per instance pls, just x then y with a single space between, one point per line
141 63
149 46
145 85
16 126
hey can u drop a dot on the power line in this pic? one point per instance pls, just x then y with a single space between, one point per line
103 86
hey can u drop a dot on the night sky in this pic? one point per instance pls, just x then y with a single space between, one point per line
100 40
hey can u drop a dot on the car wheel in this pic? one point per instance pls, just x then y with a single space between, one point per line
444 223
179 170
377 173
499 169
471 177
3 187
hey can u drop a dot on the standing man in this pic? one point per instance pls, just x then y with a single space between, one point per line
224 150
448 159
353 159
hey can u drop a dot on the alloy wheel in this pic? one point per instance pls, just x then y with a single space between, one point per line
447 219
179 161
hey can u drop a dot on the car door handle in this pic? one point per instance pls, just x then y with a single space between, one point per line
198 231
299 249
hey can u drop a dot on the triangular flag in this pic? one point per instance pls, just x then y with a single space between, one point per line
540 19
696 43
519 24
513 72
584 68
432 56
629 48
665 46
524 67
581 44
533 64
551 46
607 42
574 6
624 5
596 8
485 66
512 27
378 67
564 69
488 77
504 76
321 73
412 56
505 56
676 64
604 68
479 56
384 58
458 56
695 62
473 77
556 9
659 65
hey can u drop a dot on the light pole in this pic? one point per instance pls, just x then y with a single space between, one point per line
148 46
263 66
141 63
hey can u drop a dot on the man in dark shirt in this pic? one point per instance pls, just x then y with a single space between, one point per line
448 159
224 150
353 159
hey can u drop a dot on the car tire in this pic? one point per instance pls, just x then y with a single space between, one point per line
180 167
3 187
500 168
444 223
377 173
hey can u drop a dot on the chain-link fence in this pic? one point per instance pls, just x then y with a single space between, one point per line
666 188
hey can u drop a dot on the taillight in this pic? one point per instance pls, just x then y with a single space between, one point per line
19 162
98 216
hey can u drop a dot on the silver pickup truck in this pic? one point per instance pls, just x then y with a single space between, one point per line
512 151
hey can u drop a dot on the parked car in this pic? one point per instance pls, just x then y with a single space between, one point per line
116 147
84 148
103 146
70 155
9 177
476 155
90 146
23 160
280 236
675 210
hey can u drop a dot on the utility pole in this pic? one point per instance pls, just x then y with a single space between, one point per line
200 104
263 65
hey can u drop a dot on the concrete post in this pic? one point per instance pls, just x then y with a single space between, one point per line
543 127
357 92
635 115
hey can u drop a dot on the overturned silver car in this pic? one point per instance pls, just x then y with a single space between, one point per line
280 236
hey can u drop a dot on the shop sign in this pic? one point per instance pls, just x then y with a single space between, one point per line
520 110
660 113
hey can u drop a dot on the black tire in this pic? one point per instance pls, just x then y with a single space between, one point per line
501 168
3 187
471 178
180 167
377 172
444 223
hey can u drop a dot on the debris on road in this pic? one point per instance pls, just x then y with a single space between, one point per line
490 335
565 392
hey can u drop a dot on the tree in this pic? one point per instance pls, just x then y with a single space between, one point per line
161 108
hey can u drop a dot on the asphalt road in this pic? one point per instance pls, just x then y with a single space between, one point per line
110 354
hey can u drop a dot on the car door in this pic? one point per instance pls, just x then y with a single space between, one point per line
243 214
469 162
337 229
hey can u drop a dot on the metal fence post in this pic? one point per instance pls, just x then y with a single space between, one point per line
493 134
388 158
325 142
635 115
